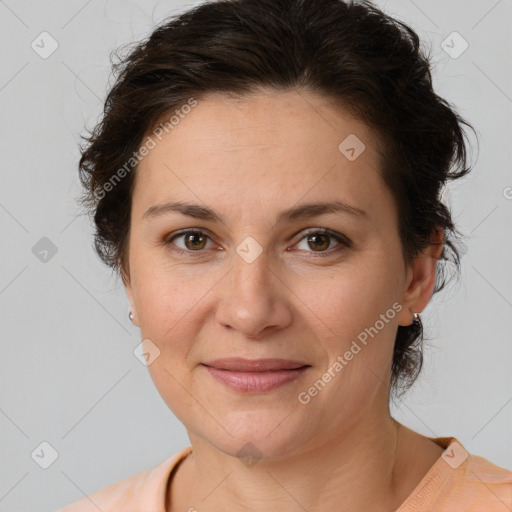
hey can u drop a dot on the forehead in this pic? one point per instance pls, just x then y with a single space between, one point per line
265 149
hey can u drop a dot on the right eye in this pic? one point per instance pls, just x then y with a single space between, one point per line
193 240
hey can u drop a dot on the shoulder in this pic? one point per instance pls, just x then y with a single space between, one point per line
482 475
143 490
463 482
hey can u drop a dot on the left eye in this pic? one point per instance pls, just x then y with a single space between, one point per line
320 240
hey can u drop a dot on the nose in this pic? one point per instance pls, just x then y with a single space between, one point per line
254 300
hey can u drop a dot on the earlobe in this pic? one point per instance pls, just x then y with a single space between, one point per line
132 315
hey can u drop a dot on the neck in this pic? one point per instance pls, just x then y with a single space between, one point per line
371 467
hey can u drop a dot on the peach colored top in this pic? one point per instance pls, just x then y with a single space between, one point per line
457 482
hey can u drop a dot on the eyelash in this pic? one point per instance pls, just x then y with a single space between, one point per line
341 239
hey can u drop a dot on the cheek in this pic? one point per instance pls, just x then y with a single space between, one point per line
171 304
156 299
355 320
350 299
160 291
168 307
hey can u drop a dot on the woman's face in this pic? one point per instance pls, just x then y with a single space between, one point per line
265 284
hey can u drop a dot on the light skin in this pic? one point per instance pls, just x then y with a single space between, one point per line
302 298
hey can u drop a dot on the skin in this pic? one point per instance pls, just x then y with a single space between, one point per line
248 160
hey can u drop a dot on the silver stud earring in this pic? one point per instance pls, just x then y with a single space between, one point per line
417 320
130 316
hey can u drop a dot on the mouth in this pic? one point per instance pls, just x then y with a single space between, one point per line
239 364
255 376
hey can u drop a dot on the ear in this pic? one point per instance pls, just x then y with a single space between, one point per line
421 279
127 283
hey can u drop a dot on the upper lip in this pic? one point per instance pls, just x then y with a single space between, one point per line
254 365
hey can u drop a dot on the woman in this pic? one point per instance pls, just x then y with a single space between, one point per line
266 180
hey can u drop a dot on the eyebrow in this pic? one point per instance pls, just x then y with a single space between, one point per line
303 211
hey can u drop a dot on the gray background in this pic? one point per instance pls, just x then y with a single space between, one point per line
68 375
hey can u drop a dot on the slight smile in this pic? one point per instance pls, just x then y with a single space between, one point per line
257 375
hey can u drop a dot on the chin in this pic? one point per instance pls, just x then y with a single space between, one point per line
250 448
256 436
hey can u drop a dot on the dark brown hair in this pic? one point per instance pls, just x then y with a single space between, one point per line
352 53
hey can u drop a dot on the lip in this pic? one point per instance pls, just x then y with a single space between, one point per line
255 376
240 364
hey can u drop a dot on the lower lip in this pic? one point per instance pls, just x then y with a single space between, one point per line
255 382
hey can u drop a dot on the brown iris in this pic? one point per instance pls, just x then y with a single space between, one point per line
318 244
196 239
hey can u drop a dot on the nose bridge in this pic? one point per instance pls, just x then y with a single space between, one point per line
250 301
250 279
